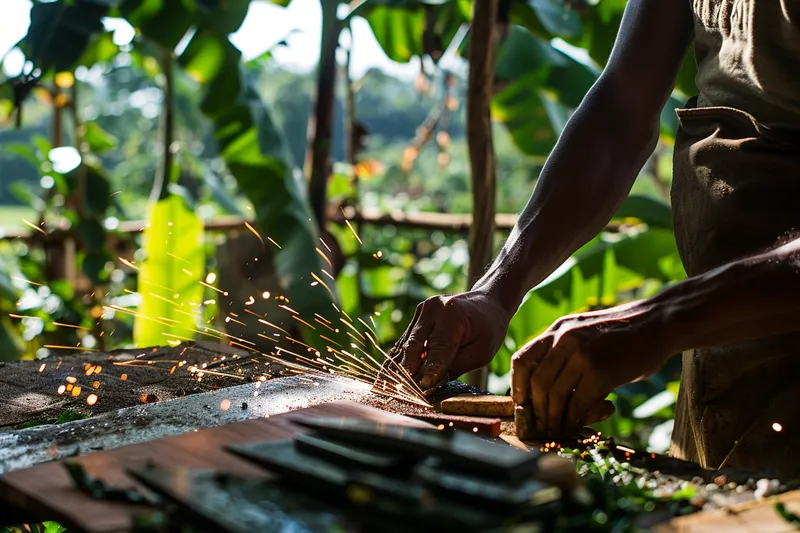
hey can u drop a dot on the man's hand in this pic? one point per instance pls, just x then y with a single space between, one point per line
450 336
569 370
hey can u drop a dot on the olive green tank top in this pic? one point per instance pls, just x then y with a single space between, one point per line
748 58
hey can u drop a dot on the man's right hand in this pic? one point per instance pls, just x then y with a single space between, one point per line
450 336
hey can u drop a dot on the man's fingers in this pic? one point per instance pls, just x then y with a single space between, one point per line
598 412
523 364
397 351
588 392
561 391
542 379
441 350
414 346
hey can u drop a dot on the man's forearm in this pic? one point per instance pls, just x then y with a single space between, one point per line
583 183
751 298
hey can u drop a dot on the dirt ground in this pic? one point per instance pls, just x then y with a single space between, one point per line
33 391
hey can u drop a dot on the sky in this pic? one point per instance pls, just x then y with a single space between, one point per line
265 24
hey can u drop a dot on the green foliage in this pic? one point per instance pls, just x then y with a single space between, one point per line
44 527
60 32
11 344
98 139
170 274
787 515
405 29
253 150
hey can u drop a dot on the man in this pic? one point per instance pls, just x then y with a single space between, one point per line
736 206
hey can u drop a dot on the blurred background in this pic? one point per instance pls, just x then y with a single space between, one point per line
144 143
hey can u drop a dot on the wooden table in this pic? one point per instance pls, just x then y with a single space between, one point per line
46 492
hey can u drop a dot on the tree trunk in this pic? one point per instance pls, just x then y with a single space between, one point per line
320 124
481 149
160 189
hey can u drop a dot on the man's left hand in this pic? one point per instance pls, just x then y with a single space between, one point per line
569 370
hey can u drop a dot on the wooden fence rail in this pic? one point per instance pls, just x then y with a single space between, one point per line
445 222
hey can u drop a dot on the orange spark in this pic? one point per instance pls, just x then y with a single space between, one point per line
128 263
303 322
254 232
325 257
26 281
59 347
178 258
34 226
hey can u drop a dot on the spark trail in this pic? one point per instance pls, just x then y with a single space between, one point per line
355 361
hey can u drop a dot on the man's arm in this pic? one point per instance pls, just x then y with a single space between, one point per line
600 152
751 298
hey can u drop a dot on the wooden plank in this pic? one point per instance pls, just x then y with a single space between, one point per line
47 493
758 516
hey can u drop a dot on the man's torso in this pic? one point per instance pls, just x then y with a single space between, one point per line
748 57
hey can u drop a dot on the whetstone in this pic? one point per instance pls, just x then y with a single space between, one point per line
524 421
478 425
479 405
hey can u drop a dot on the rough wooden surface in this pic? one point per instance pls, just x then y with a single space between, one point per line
757 516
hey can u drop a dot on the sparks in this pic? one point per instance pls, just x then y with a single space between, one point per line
128 263
254 232
325 257
351 227
34 226
26 281
69 326
59 347
178 258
